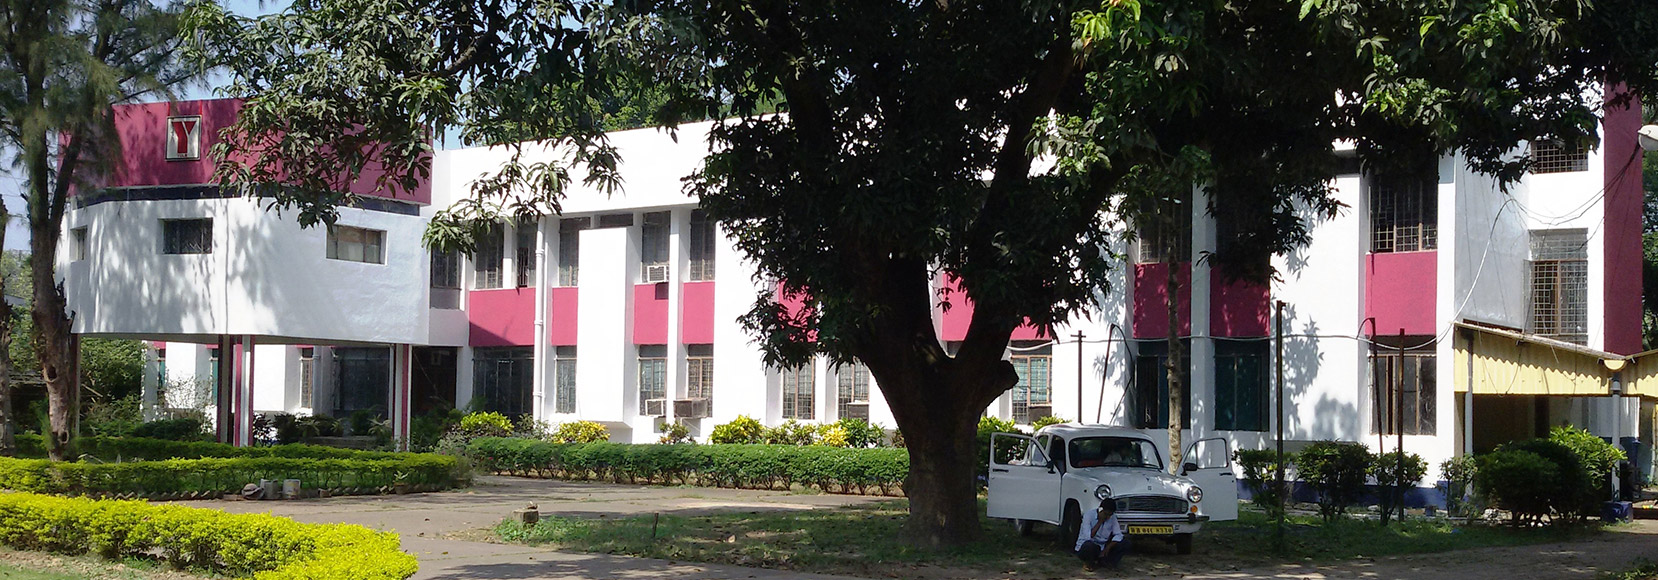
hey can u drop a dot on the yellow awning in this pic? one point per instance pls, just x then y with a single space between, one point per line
1509 363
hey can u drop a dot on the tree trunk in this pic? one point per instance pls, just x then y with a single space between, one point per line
52 346
942 486
1173 363
8 419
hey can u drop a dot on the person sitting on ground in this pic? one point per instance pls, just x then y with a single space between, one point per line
1101 540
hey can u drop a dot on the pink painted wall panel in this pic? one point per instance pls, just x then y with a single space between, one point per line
501 317
954 321
1622 291
561 316
1238 308
1151 310
650 313
142 129
794 305
1400 289
696 314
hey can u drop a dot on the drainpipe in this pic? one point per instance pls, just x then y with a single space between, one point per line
539 380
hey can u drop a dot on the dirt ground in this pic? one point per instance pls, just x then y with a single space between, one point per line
87 567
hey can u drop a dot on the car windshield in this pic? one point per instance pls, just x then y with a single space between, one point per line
1114 452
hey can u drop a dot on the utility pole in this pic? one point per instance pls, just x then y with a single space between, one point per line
1399 411
1278 467
1079 376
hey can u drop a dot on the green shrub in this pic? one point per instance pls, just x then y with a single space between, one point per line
1260 474
426 430
1571 487
675 433
259 546
831 435
1392 481
362 422
989 426
861 434
831 469
1336 472
581 432
182 429
742 430
113 418
1519 481
1599 460
486 425
1457 481
1041 422
791 432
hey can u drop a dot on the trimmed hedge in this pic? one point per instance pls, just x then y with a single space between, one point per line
260 546
831 469
158 468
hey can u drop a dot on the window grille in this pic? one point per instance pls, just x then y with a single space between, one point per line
307 366
1165 229
446 280
1151 385
853 391
1242 398
564 379
653 375
187 236
653 247
569 249
1404 214
524 251
1411 374
487 257
799 388
356 244
504 378
1560 285
1035 386
701 266
1551 156
616 220
699 366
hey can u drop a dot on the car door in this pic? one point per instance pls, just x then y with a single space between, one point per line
1213 459
1023 484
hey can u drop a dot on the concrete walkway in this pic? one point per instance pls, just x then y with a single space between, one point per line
424 521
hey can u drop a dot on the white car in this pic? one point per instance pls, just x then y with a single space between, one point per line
1064 469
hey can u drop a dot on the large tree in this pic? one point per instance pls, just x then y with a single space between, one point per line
65 63
999 144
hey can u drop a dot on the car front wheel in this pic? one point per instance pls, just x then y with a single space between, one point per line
1071 525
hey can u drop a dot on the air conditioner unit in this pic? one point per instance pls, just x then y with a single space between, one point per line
856 411
1034 412
656 273
691 408
656 407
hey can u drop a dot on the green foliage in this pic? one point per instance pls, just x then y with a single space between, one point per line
113 418
791 432
1038 424
1336 471
180 429
112 369
580 432
1458 485
1598 458
1522 482
675 433
426 430
830 469
831 435
362 422
1394 477
987 427
860 433
742 430
486 424
1571 487
259 546
1259 474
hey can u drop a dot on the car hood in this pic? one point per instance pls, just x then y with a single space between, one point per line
1125 481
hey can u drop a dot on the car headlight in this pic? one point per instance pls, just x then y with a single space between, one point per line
1102 492
1194 494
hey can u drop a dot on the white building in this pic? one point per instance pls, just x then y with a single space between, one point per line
617 310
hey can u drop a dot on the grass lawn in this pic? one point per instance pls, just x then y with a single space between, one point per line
866 541
23 565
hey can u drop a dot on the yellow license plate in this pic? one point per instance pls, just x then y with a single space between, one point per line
1148 530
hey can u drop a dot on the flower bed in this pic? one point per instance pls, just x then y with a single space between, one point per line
830 469
260 546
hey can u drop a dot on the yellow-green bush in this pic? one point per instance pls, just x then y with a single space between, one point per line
581 432
258 546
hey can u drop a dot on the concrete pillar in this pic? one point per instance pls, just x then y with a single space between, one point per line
224 389
402 361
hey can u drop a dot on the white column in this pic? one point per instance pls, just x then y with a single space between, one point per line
679 265
1202 354
542 362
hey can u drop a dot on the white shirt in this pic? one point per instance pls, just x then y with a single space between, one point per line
1110 531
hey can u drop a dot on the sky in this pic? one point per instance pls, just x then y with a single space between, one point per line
11 175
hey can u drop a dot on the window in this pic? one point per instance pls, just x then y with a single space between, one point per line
161 370
1165 229
1402 386
1242 397
1034 387
362 375
446 280
504 378
307 366
191 236
487 256
1404 214
77 248
569 249
1151 385
799 390
212 376
653 377
616 220
653 247
524 251
564 379
852 391
356 244
1560 284
699 367
1550 156
702 247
